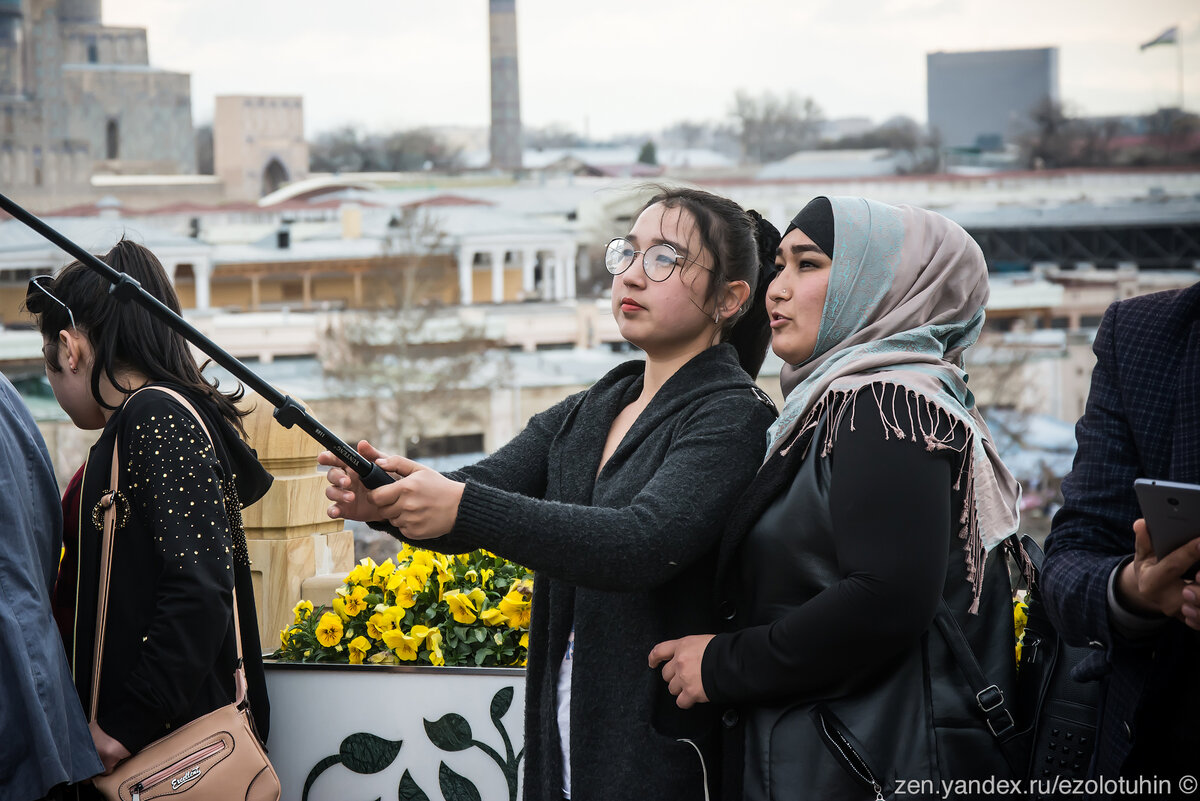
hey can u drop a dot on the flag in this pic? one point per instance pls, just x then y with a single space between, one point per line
1169 36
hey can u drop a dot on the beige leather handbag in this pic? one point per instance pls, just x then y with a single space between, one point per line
216 757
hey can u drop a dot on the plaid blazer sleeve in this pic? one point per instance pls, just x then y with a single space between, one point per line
1092 532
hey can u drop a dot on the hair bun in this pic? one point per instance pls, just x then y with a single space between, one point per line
768 238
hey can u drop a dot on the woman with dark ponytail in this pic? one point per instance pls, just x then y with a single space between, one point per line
616 497
183 475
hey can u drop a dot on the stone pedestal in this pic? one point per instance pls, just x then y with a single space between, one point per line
289 537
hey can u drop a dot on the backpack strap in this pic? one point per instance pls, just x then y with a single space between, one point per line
995 708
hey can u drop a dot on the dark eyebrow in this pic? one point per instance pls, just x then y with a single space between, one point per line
679 249
798 249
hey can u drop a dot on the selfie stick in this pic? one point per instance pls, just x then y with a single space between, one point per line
287 410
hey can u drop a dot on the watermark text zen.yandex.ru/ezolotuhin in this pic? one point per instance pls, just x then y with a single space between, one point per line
993 787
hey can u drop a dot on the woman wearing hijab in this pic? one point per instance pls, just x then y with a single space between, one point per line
879 498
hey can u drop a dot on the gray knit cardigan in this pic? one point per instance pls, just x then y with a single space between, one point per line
626 557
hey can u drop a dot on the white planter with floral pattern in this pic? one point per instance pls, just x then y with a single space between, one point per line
362 732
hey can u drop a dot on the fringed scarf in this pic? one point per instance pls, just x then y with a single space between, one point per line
905 299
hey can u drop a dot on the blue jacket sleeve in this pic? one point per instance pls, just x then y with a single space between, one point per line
1093 532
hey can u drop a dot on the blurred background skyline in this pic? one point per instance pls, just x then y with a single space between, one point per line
634 68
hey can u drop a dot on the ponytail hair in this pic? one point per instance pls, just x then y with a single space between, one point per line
743 245
750 328
125 335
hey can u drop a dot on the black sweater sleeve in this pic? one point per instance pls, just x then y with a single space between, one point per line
890 506
673 518
171 478
518 466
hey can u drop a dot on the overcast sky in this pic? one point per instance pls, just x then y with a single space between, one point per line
638 65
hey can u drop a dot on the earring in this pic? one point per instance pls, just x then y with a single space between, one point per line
717 316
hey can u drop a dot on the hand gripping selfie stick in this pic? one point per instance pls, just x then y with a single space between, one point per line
287 411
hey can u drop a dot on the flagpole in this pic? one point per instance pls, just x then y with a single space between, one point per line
1179 60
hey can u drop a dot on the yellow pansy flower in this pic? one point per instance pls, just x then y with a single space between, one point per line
471 576
405 596
378 624
434 641
420 632
383 658
493 616
444 576
524 641
302 610
415 577
362 572
516 606
382 572
460 606
356 601
329 630
477 597
486 575
403 645
358 649
339 606
1020 619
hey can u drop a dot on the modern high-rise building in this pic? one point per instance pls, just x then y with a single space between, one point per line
505 137
984 98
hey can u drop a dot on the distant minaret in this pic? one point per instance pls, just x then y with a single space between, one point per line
505 138
11 47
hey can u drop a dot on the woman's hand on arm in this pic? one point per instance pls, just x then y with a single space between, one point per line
110 750
681 660
424 504
351 499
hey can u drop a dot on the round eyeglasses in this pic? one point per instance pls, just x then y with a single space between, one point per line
658 261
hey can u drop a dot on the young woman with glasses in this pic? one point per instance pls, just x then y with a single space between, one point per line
179 551
616 497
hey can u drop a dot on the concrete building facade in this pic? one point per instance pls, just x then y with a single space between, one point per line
984 98
258 144
78 97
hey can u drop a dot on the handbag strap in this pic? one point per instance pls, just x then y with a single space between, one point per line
109 502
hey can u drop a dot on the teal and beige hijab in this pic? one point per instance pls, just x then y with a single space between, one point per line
905 299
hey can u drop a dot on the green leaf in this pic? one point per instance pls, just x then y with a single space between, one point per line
501 701
366 753
480 656
317 770
450 733
409 791
455 787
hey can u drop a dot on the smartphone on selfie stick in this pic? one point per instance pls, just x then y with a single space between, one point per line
288 412
1172 513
